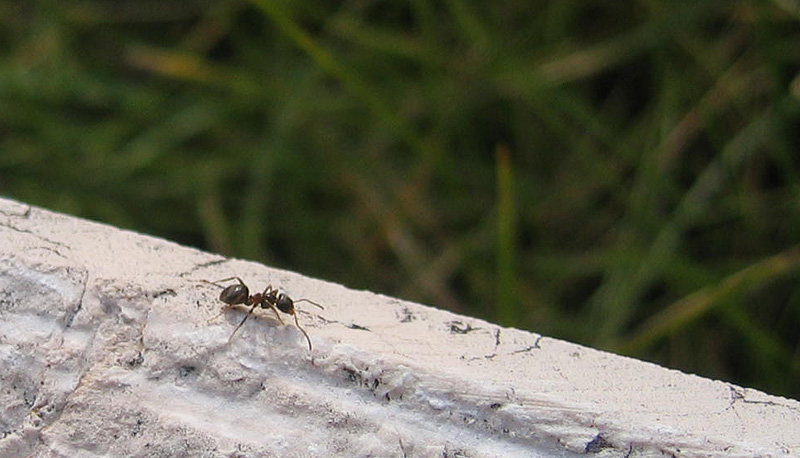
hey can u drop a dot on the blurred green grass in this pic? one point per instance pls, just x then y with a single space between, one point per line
624 175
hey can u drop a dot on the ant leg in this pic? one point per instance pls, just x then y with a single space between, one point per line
224 309
278 315
269 295
242 322
297 323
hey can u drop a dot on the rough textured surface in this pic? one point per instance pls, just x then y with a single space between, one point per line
109 348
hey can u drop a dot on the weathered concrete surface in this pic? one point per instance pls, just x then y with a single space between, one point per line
106 349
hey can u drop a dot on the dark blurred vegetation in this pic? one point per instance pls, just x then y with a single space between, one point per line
621 174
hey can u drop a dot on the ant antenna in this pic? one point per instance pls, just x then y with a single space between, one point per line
310 302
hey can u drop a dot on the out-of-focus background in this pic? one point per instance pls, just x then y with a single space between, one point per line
620 174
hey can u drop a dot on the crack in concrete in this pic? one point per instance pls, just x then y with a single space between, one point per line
70 317
740 394
26 217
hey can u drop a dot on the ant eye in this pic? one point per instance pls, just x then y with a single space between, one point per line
234 294
285 304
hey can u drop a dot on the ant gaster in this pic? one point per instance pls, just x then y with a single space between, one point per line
240 295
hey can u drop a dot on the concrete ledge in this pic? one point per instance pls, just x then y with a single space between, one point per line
107 350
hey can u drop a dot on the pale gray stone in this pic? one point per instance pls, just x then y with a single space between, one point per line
109 347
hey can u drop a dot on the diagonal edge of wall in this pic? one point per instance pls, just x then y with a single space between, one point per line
112 344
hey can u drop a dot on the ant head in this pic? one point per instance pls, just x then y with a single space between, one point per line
235 294
285 304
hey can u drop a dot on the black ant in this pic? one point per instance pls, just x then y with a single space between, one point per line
240 295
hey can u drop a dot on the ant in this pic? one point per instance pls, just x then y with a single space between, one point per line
239 294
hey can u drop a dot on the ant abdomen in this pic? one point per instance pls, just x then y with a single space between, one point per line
235 294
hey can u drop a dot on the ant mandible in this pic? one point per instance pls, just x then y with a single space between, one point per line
240 295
